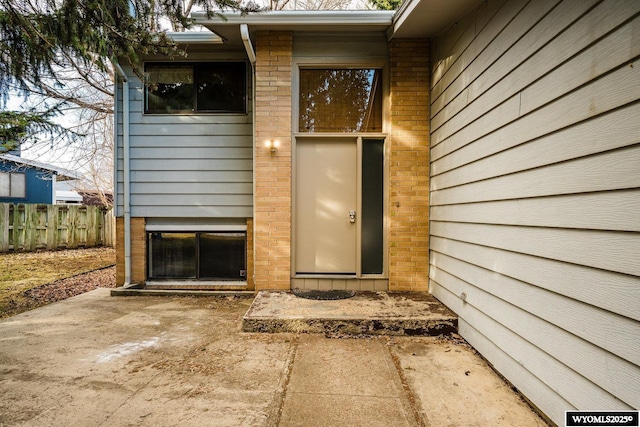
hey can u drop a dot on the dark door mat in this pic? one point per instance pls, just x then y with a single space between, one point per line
323 295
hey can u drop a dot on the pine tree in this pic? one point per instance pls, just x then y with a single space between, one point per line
16 127
37 38
386 4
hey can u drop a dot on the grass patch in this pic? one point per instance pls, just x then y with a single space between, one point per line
27 270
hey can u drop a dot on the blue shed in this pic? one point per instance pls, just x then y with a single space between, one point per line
30 181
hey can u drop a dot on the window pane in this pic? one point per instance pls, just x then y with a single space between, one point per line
5 184
173 255
18 185
169 88
222 256
221 87
372 205
346 100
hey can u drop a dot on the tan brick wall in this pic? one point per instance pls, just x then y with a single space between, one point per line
119 251
138 251
250 270
409 166
272 199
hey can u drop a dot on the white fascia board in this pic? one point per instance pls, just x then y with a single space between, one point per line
299 18
195 37
227 26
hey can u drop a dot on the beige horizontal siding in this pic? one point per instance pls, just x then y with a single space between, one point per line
609 210
504 127
535 196
535 343
608 290
611 170
616 129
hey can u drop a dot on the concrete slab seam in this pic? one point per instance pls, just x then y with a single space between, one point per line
275 413
414 401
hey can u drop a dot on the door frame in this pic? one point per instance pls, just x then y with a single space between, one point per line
358 138
341 61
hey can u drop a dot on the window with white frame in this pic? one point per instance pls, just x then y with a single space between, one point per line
13 185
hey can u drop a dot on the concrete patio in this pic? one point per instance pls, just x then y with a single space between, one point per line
170 360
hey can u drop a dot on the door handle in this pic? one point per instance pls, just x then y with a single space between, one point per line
352 216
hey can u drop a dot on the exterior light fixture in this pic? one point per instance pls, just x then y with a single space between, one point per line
272 145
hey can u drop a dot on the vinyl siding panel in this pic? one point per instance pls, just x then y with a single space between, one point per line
538 347
535 196
187 165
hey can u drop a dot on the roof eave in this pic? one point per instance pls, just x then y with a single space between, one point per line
64 174
296 20
428 18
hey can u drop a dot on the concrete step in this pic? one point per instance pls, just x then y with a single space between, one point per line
366 313
126 292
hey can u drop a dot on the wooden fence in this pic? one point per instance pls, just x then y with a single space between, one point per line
29 227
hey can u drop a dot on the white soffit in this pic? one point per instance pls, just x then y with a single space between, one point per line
427 18
297 20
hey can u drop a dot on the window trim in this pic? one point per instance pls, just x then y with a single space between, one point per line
302 63
194 96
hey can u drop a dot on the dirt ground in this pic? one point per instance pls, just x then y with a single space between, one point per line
33 279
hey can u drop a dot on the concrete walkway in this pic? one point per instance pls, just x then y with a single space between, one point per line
96 360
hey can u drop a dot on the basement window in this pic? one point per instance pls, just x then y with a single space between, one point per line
219 255
203 87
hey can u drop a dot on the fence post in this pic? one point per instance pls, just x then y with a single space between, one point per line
4 224
31 225
52 227
18 227
41 227
92 220
72 223
108 227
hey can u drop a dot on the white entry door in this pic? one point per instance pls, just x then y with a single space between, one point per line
326 206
